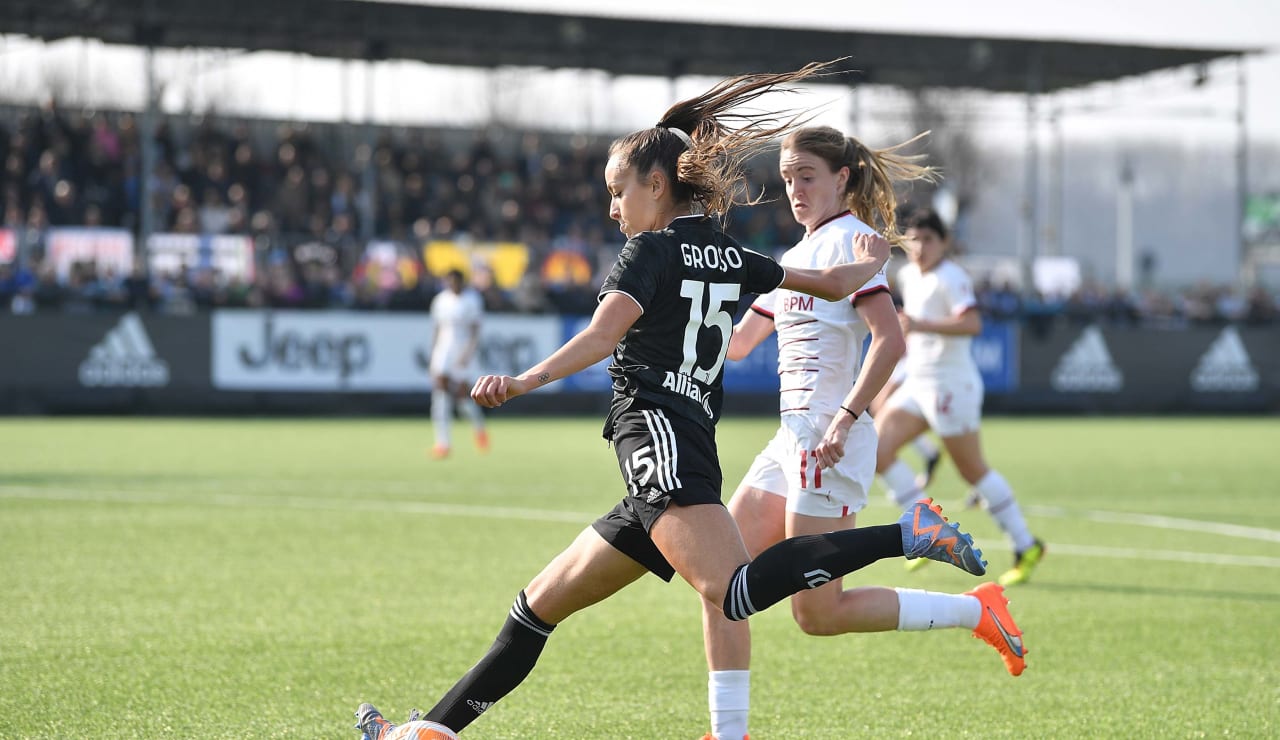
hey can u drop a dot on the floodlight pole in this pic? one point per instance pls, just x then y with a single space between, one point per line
1124 226
1244 266
1027 247
146 214
1057 177
368 207
855 109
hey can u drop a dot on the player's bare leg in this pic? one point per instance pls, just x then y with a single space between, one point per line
995 492
441 415
895 427
470 409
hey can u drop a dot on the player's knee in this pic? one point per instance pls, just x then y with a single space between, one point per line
715 598
814 619
884 458
972 471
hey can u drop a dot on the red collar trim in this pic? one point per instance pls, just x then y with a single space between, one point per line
833 218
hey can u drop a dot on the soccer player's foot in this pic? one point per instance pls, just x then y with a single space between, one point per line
1023 563
925 477
439 452
926 533
997 628
973 500
482 440
371 722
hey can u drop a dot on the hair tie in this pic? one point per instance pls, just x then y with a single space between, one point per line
681 135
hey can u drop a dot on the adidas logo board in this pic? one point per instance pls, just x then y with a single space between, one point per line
1087 366
124 358
1225 366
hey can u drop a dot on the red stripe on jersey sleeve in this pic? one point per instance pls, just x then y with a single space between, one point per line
869 291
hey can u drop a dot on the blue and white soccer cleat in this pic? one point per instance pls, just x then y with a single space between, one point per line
927 534
371 722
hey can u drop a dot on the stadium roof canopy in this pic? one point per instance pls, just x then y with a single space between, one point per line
370 29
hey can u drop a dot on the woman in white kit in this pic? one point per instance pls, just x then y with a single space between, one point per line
456 313
943 389
813 476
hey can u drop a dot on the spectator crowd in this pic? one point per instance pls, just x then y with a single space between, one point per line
313 204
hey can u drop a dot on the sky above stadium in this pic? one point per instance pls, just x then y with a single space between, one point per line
1228 24
288 86
1225 23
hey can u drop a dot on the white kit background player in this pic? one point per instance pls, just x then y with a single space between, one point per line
456 315
943 388
923 445
814 475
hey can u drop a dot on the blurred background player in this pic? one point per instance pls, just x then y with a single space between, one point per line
456 313
923 445
813 476
943 390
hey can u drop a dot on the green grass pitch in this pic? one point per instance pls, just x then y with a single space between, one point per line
227 578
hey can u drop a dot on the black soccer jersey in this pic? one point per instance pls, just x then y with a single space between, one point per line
688 279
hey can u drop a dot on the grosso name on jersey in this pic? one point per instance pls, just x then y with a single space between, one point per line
711 257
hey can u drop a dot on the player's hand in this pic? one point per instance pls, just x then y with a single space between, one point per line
871 246
492 391
831 449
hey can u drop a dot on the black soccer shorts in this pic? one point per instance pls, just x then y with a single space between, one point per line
664 458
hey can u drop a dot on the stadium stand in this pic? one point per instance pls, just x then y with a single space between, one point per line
297 204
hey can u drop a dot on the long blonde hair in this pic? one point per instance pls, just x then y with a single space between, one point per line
699 153
869 192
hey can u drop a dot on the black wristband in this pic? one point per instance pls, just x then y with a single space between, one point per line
851 412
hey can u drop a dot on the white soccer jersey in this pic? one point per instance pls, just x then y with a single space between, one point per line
455 315
944 291
819 342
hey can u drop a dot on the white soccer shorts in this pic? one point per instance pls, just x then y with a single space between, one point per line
950 406
787 467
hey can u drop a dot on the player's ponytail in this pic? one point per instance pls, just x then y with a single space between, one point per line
699 153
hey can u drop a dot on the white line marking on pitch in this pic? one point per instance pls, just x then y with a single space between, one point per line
36 493
1159 522
295 502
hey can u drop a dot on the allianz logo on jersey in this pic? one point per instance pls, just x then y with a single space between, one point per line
1087 366
124 358
1225 366
689 388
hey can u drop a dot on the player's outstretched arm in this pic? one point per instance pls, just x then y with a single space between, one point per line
748 334
870 251
615 314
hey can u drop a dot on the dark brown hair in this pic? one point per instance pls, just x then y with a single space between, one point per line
709 171
869 192
925 218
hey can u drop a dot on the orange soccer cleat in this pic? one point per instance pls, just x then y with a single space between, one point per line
997 628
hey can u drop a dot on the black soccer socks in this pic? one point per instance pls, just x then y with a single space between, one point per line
509 660
805 562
